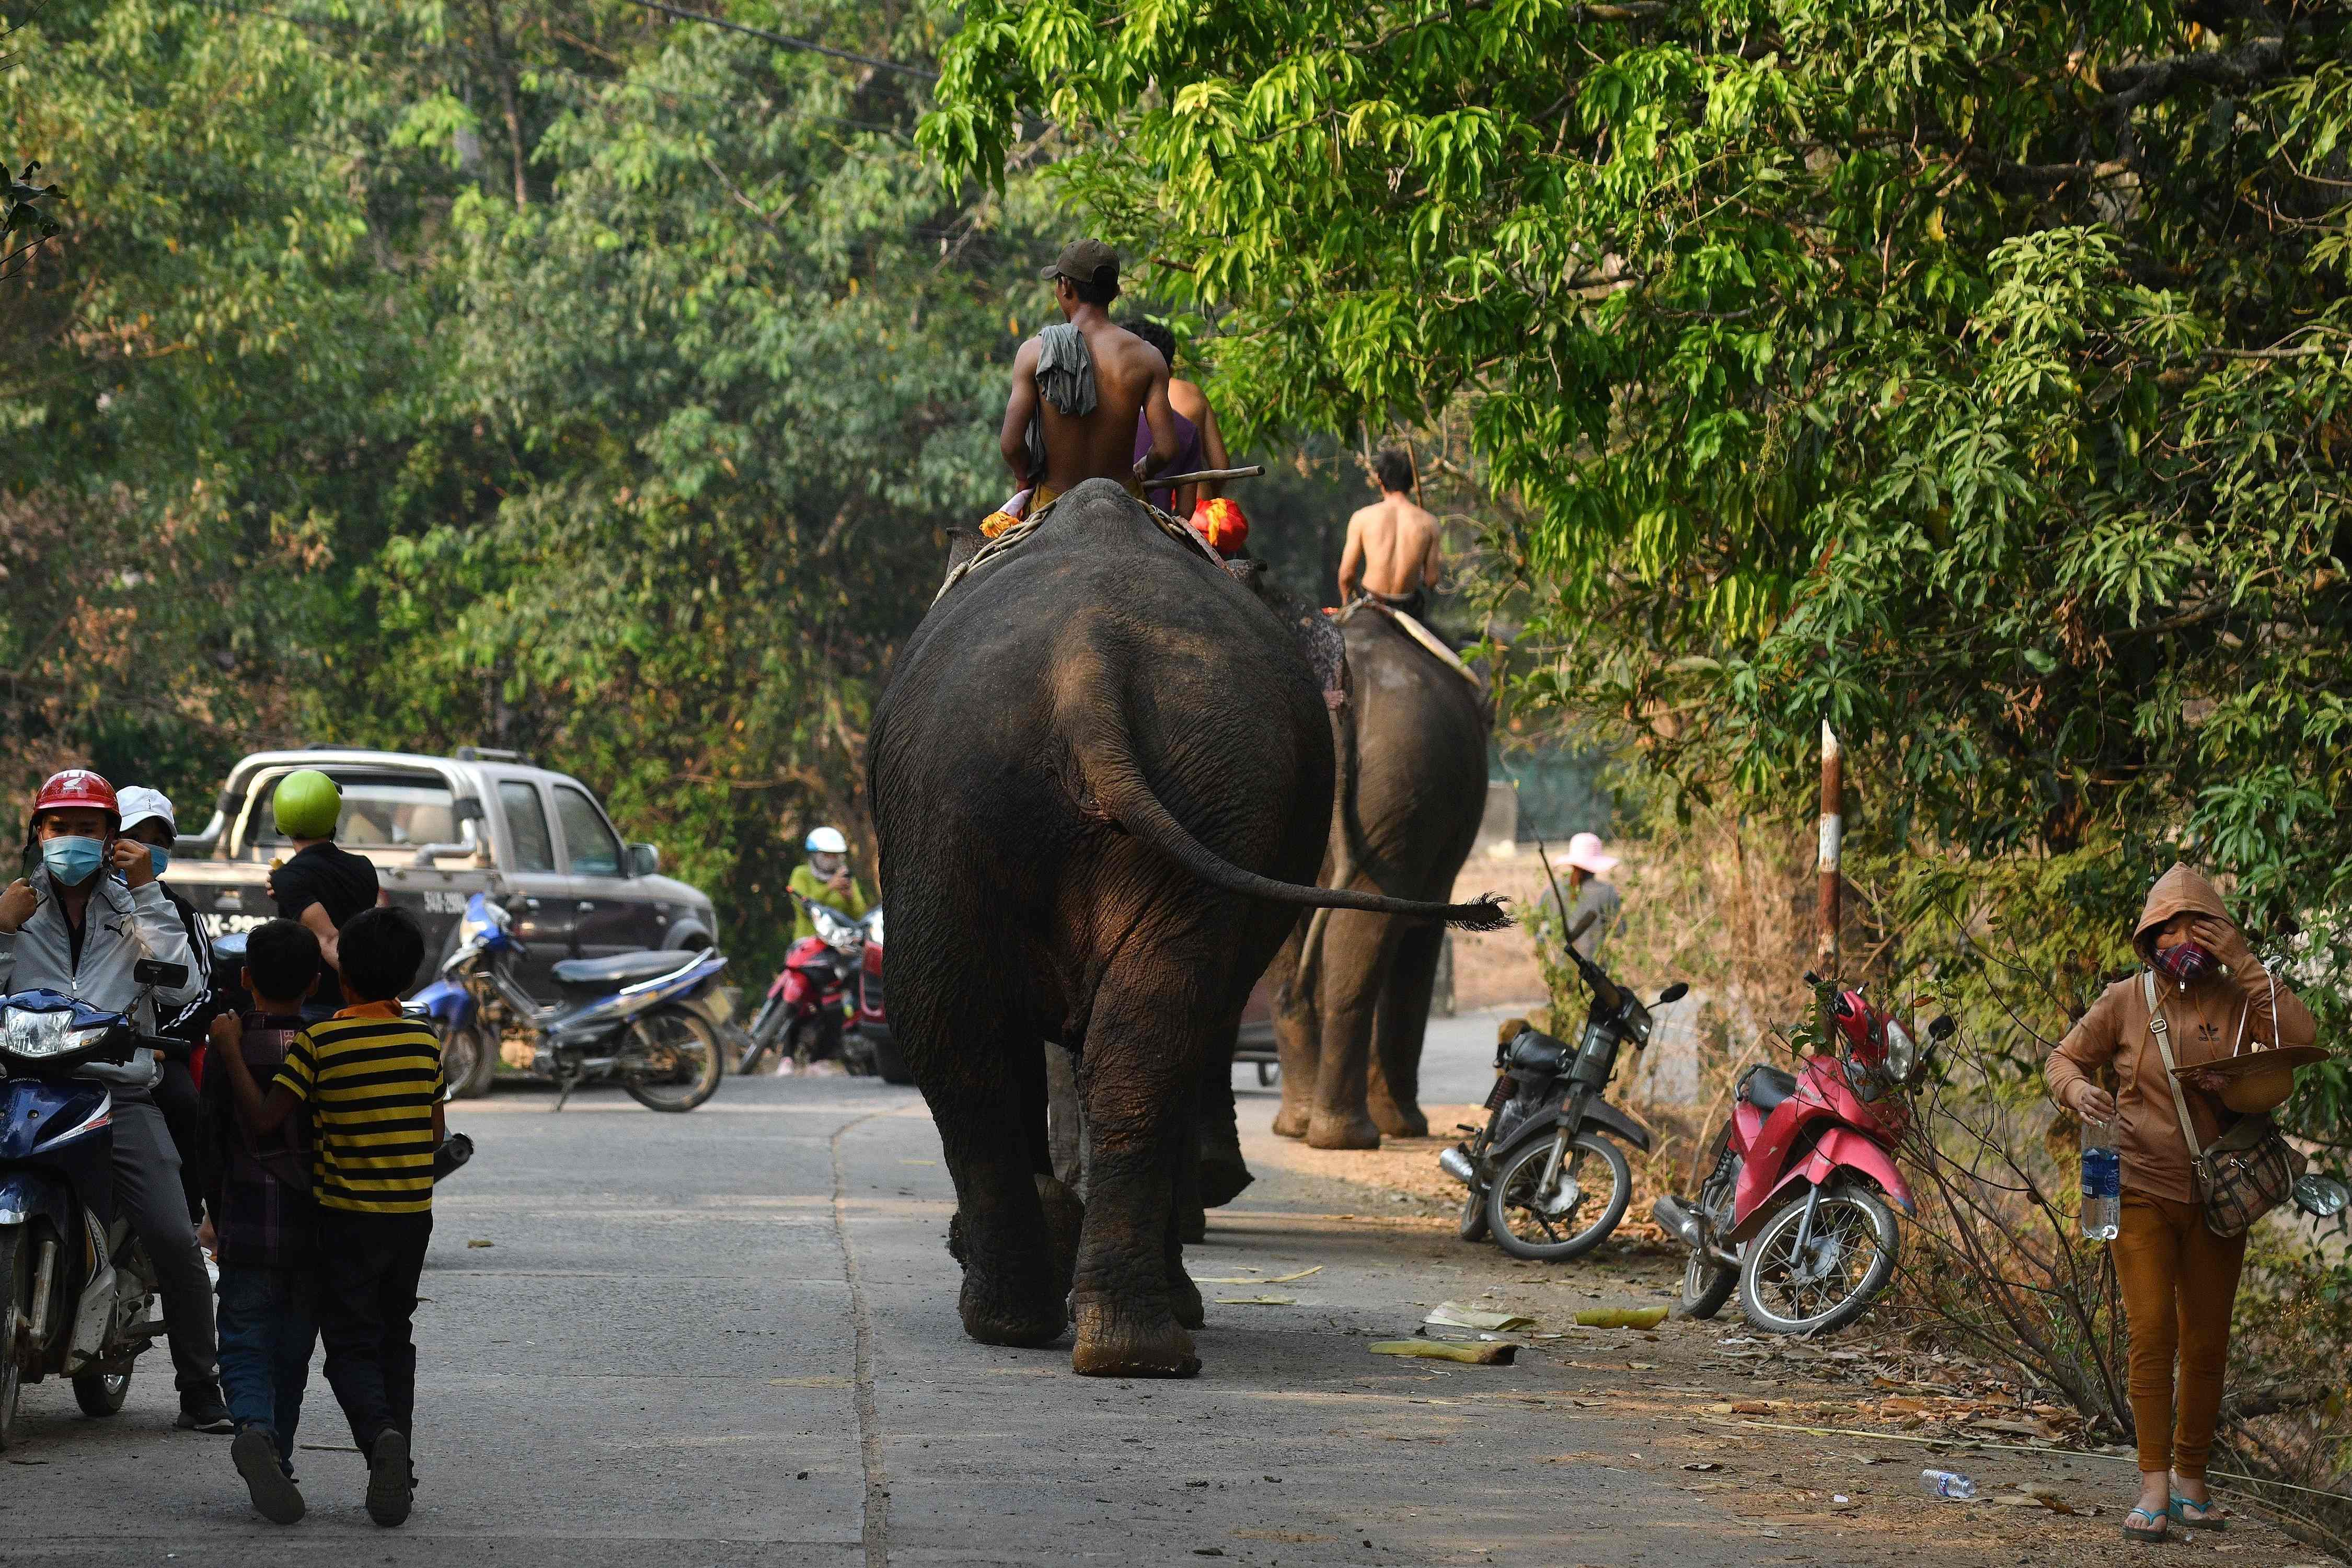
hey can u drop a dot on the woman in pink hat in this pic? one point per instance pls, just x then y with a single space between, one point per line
1593 906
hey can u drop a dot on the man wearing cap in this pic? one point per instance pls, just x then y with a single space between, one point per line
80 924
1078 388
148 820
1593 906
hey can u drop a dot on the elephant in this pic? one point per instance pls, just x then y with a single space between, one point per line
1353 990
1099 774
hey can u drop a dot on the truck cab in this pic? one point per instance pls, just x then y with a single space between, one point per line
441 829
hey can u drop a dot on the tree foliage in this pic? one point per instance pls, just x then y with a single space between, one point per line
1973 375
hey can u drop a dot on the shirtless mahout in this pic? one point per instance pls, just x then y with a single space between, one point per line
1392 553
1079 388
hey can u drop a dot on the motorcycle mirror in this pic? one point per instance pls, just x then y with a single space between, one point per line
1811 978
2321 1196
1944 1028
155 972
1674 993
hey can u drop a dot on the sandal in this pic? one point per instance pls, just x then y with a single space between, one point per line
2158 1518
2210 1515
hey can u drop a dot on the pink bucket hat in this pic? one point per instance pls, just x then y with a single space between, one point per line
1585 853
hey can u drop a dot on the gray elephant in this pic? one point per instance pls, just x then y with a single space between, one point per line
1101 777
1353 990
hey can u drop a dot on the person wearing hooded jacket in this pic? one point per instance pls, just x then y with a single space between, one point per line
79 922
2179 1280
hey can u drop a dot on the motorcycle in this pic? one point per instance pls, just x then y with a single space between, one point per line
826 1001
77 1292
1535 1170
1794 1212
634 1017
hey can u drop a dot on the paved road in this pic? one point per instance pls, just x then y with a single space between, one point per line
729 1338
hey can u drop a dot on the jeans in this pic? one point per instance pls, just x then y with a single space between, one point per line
266 1331
367 1272
2179 1285
147 1191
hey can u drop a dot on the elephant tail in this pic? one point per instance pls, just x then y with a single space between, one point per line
1116 781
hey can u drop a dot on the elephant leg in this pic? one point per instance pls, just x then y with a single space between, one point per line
1296 1041
1356 951
1137 1076
1398 1028
978 1085
1186 1222
1223 1171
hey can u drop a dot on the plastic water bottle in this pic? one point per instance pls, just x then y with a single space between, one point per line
1950 1484
2103 1181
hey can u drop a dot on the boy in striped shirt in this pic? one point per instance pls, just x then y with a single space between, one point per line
372 1079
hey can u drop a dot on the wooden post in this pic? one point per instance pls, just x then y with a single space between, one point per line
1825 952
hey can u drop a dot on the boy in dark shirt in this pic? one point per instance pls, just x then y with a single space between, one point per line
322 884
372 1080
263 1221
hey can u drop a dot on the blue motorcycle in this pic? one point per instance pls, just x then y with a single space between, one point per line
637 1017
77 1292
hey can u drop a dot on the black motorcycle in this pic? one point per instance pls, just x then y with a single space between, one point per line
1545 1178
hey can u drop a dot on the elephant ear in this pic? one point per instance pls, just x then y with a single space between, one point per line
963 544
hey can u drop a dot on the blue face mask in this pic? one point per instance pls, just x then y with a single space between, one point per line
72 861
160 856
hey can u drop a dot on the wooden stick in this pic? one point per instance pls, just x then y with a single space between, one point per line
1171 481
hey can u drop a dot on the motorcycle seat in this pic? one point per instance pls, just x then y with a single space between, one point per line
620 969
1766 1086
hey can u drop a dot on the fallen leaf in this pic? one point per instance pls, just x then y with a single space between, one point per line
1621 1317
1753 1408
1286 1279
479 1241
1709 1465
1459 1315
1257 1300
1498 1354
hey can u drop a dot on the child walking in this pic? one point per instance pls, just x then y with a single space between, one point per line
263 1220
372 1079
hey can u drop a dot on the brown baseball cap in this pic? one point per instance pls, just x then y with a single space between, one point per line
1084 262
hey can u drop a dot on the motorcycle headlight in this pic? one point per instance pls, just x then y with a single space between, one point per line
33 1035
1637 1022
1902 1053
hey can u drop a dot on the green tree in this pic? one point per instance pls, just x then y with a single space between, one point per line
1972 374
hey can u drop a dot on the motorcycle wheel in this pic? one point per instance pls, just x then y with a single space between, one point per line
1472 1224
765 1028
101 1392
1707 1288
15 1307
675 1062
1850 1257
468 1062
1525 1231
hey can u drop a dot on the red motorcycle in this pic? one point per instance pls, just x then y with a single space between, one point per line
826 1001
1795 1211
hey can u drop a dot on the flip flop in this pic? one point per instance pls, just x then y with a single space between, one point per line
2159 1517
2210 1515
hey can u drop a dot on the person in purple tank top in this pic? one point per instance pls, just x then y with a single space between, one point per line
1198 445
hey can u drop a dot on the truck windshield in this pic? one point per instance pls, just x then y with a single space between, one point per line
397 811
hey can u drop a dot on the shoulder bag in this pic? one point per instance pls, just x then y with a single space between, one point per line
2249 1171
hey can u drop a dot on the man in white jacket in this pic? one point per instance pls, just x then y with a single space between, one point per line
71 926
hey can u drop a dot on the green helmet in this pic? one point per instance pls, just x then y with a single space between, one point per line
308 805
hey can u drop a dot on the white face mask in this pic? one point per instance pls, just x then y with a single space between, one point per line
824 865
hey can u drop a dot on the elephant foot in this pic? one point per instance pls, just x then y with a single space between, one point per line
1357 1131
1290 1124
1185 1303
996 1314
1223 1178
1064 1217
1400 1120
1115 1342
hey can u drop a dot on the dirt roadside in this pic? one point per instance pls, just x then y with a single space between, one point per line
1696 1406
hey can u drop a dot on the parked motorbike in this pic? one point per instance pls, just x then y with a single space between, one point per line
76 1288
634 1018
826 1001
1545 1178
1795 1211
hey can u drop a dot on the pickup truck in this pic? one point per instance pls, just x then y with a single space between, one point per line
440 829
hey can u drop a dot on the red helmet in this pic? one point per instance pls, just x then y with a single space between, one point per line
78 788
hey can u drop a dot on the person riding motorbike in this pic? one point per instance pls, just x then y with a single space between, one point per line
826 879
79 922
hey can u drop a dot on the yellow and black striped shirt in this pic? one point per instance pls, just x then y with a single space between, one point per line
371 1078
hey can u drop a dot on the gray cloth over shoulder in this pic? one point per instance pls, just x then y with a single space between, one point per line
1065 378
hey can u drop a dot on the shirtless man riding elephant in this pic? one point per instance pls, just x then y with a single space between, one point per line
1079 389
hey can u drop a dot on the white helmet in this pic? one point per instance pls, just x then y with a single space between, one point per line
826 841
